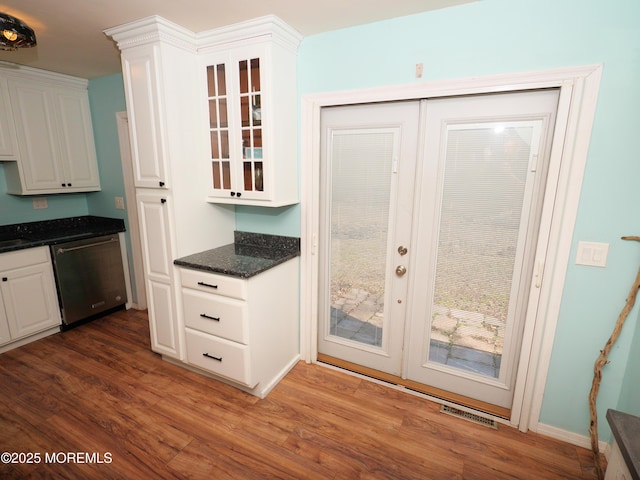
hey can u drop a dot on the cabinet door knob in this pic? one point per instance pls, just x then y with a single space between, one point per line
163 200
233 194
238 194
64 184
68 184
5 279
161 184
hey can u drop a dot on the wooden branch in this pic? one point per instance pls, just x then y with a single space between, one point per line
601 361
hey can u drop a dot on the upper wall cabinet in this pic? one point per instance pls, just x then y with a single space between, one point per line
224 99
8 142
56 149
249 86
142 71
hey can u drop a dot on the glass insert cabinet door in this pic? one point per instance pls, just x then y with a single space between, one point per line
234 96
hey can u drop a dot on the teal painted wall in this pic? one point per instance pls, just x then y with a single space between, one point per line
274 221
503 36
106 97
630 395
16 209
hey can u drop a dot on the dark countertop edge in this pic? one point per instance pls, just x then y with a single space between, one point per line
626 431
52 232
232 272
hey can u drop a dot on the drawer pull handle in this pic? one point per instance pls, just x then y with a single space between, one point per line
207 285
219 359
204 315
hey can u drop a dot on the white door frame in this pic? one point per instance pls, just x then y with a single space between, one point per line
579 88
122 123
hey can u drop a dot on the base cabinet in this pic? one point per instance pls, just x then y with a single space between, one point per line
617 468
155 213
244 331
28 299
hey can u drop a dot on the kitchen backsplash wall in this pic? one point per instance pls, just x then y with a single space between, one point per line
16 209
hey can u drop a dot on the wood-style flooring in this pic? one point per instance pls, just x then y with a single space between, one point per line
95 402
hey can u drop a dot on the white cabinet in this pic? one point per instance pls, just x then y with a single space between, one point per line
5 334
249 86
159 65
8 141
244 331
616 467
146 110
27 294
156 230
54 135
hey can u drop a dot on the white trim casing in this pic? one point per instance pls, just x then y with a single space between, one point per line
122 124
579 88
572 438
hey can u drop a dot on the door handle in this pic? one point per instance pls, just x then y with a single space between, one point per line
401 270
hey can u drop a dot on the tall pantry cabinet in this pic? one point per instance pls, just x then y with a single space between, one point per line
159 65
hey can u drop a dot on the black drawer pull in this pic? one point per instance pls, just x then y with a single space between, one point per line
207 285
204 315
219 359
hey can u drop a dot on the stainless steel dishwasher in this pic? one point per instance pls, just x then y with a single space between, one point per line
89 277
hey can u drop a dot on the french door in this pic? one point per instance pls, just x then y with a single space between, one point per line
367 181
428 227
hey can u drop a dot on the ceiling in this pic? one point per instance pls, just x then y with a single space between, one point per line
71 39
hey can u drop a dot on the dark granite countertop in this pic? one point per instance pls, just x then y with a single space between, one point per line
626 430
249 255
50 232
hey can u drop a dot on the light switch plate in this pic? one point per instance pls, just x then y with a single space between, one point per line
120 203
593 254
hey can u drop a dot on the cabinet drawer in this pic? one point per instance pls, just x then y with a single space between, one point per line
219 356
215 314
212 283
23 258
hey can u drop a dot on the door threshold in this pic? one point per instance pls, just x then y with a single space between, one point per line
497 411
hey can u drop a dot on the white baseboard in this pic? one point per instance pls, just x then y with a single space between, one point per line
571 437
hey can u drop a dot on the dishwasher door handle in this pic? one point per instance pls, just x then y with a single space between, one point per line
80 247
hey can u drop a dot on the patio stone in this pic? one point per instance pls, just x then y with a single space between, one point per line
443 323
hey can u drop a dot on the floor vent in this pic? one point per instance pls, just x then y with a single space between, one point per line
472 417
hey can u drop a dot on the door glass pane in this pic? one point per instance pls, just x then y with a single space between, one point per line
244 76
218 123
211 80
482 203
226 175
222 85
215 167
248 177
251 122
361 172
259 179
